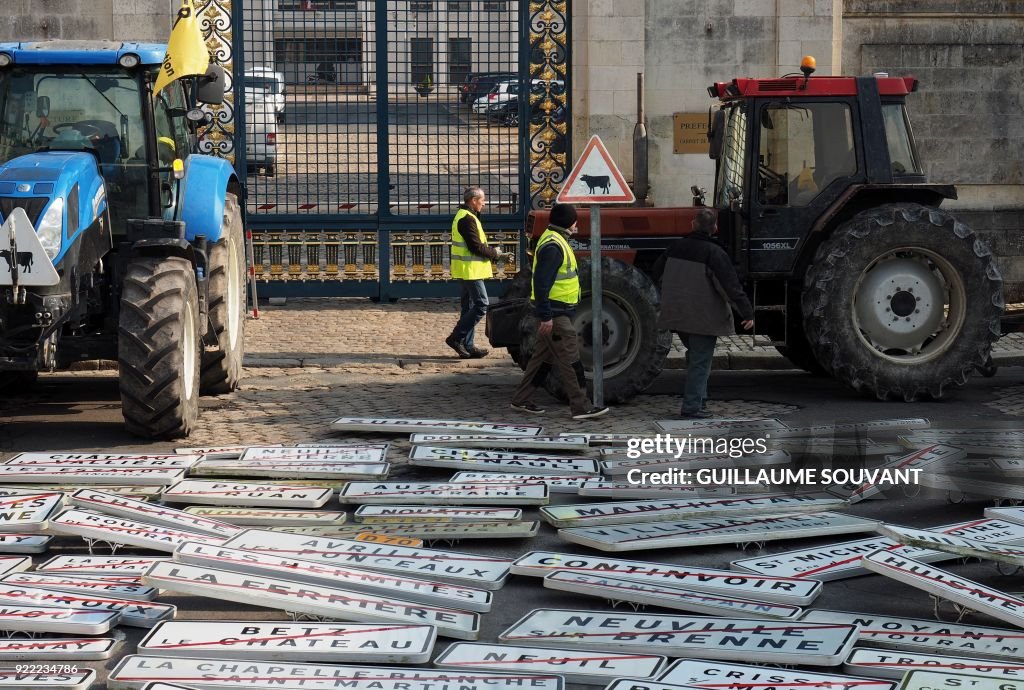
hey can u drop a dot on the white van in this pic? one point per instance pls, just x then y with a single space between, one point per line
260 134
265 81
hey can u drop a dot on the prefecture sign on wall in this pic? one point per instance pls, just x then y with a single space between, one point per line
689 133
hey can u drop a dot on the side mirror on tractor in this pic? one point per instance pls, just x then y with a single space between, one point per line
211 86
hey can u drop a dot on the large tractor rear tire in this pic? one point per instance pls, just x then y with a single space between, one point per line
902 302
634 348
222 367
159 347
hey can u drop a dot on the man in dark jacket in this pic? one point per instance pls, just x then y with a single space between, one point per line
556 292
698 287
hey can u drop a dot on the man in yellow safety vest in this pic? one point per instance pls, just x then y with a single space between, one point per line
556 292
471 266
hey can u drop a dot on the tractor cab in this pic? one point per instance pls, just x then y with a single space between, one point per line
792 152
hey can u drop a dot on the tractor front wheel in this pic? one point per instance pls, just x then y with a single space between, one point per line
222 367
634 348
902 302
159 347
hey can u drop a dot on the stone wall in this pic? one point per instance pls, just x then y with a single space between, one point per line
137 20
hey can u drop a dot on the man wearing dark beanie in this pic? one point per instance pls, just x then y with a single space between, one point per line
556 292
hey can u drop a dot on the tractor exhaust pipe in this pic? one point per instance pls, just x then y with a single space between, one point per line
641 187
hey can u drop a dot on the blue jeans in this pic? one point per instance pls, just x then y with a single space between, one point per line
473 308
701 349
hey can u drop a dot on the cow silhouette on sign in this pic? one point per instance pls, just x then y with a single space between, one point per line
24 260
595 182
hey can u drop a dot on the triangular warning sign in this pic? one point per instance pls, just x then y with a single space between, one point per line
595 179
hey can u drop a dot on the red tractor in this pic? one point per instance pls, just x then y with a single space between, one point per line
852 266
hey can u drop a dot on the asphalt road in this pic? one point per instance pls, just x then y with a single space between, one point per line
83 412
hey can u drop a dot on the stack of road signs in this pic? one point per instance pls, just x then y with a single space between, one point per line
247 494
440 493
99 469
466 459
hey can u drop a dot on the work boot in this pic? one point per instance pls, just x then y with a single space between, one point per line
459 348
478 353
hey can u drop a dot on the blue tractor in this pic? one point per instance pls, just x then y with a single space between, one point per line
118 242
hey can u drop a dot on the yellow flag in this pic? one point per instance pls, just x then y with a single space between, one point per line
186 51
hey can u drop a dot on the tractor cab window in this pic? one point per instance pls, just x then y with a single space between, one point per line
729 185
803 148
80 110
902 154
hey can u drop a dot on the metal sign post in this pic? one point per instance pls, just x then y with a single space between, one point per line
596 180
596 304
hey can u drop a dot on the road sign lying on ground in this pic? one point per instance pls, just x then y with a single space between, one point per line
684 533
424 591
587 514
837 447
878 427
556 483
42 474
296 597
731 426
438 493
926 635
798 592
924 539
28 513
604 440
100 460
140 614
617 466
79 584
99 565
392 513
132 509
569 442
696 673
935 680
214 451
14 564
1013 514
278 641
603 488
283 469
839 561
885 664
665 596
438 426
56 619
354 454
975 442
247 494
134 672
1012 467
141 492
948 586
469 459
729 639
450 566
57 649
575 665
24 543
890 471
385 534
115 530
59 677
391 539
259 517
1003 488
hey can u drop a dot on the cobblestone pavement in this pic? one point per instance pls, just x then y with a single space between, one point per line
411 333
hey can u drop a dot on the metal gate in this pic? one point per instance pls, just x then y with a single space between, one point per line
359 137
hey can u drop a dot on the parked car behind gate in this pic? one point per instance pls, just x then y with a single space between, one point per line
260 134
270 83
480 84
